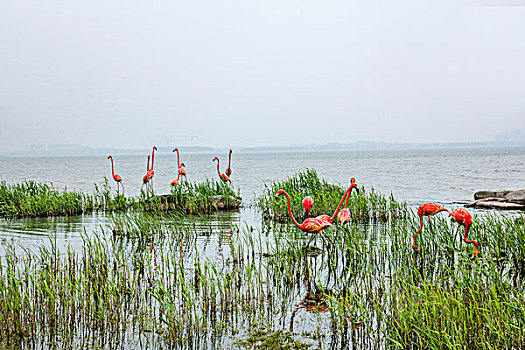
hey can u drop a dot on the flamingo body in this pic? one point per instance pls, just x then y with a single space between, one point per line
426 209
463 218
116 177
310 225
223 177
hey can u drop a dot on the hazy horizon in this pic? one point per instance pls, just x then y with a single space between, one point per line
221 74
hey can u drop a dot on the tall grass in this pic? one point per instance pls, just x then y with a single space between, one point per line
364 206
203 197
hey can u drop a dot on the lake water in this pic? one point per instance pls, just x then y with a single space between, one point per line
441 175
447 176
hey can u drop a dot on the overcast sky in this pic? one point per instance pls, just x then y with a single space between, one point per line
249 73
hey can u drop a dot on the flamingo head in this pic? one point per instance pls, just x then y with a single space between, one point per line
230 150
279 193
155 148
175 150
182 164
110 157
461 216
215 158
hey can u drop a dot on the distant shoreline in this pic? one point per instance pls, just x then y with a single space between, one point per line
84 151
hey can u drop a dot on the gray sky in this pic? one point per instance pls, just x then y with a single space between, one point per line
247 73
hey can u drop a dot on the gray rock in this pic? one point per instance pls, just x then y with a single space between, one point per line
504 200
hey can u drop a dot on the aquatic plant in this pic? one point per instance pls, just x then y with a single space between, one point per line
202 197
364 205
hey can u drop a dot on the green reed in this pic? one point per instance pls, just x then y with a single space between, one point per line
203 197
364 205
362 287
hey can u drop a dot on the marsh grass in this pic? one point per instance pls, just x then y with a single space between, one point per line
202 197
170 280
364 206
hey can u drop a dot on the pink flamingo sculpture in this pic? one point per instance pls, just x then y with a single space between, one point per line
463 218
310 225
151 173
308 203
223 177
116 177
145 179
344 215
426 209
347 193
180 166
176 181
229 170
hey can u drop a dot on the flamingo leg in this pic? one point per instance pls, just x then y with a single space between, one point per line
122 188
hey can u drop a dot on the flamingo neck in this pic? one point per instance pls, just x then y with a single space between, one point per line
230 159
178 161
467 227
290 210
218 171
347 192
147 166
420 224
112 169
348 197
152 158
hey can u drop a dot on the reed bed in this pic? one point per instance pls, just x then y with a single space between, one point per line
33 199
203 197
170 280
364 206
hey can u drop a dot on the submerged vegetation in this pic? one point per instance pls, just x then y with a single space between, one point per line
364 206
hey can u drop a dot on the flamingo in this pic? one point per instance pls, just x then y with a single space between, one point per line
347 193
176 181
180 165
308 203
145 179
116 177
310 225
229 170
427 209
344 215
463 218
223 177
179 174
150 172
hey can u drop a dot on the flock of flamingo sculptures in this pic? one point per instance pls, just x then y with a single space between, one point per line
318 224
147 180
310 225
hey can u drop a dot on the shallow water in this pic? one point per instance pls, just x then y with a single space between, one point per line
445 176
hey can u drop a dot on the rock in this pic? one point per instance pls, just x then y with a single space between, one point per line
504 200
516 196
490 194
